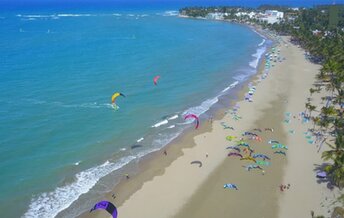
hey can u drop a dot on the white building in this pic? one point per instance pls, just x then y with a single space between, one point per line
272 16
216 16
250 15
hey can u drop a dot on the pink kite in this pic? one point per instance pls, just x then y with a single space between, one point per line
155 80
193 116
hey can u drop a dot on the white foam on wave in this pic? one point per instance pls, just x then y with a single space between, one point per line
230 86
77 163
261 35
171 127
52 16
140 139
75 15
164 122
49 204
117 15
262 43
35 16
173 117
169 13
260 51
205 106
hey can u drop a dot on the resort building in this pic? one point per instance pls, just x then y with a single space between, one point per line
216 16
272 16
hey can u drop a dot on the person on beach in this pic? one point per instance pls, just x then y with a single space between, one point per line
113 196
206 155
127 176
165 152
281 188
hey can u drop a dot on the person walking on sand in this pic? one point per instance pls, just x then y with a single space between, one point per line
165 152
206 155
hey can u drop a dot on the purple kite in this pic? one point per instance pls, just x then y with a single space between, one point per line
106 205
234 154
193 116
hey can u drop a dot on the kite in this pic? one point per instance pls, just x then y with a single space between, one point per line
114 97
106 205
230 138
279 146
261 156
280 152
197 162
244 144
249 158
249 133
233 147
258 130
263 163
269 129
230 186
155 80
193 116
234 154
250 167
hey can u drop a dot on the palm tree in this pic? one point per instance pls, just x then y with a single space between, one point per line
311 108
336 154
315 120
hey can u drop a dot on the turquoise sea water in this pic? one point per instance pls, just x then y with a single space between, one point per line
59 135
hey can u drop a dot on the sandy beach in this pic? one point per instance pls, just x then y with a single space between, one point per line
169 186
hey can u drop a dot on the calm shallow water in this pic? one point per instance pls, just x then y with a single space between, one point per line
58 132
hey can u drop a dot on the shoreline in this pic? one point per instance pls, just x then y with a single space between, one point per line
147 167
183 190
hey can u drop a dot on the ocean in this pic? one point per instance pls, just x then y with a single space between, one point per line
60 137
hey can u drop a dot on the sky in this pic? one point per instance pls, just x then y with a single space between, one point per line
166 3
